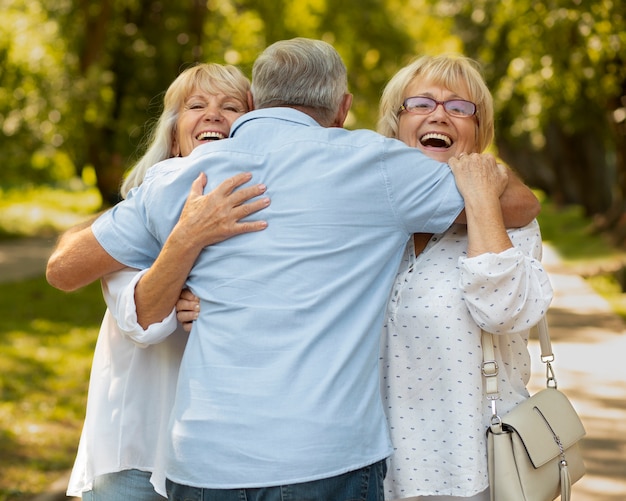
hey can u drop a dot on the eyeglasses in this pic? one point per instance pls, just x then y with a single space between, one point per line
422 105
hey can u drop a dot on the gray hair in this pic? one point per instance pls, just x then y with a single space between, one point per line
300 73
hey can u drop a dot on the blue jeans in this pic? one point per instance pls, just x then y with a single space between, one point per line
365 484
126 485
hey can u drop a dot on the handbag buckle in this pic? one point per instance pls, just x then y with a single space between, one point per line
495 423
490 368
550 377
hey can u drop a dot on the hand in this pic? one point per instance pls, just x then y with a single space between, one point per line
187 309
216 216
479 176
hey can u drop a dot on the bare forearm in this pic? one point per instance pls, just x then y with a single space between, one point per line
78 260
485 227
159 289
519 204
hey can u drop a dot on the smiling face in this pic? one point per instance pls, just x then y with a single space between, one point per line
438 135
205 117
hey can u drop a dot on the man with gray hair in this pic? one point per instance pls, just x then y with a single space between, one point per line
278 394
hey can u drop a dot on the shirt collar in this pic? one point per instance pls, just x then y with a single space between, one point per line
282 113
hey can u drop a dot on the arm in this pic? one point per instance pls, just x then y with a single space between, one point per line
119 293
481 182
519 204
205 220
505 288
78 259
510 291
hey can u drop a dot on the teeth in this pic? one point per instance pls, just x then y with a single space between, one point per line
434 139
203 136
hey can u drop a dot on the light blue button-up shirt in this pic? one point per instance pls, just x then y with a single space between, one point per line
279 381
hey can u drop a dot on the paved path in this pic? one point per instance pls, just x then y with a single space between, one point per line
24 258
589 344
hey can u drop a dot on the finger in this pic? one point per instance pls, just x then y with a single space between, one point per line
454 163
229 185
186 305
187 294
242 195
187 326
186 316
197 187
250 227
244 210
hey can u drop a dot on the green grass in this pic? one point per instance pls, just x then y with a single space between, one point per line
47 337
46 345
574 237
42 211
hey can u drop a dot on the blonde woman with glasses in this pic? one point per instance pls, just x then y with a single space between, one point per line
450 286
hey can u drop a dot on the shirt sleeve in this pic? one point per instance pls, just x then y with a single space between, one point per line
119 293
510 291
124 233
422 191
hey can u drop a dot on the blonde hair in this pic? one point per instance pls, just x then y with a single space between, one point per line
454 72
211 78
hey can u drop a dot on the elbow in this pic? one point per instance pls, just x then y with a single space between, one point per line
56 276
535 207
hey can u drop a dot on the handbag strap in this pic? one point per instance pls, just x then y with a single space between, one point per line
490 367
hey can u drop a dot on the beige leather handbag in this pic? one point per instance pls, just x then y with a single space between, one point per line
533 452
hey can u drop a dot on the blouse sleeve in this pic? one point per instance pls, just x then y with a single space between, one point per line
119 293
510 291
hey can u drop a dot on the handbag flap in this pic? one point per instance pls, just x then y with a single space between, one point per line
542 421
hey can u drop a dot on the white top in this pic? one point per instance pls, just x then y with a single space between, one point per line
431 377
131 390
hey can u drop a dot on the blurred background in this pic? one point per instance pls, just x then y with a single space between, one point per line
81 80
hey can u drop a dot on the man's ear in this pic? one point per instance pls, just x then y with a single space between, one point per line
250 101
342 113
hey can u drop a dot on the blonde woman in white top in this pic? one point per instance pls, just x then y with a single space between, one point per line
134 371
448 288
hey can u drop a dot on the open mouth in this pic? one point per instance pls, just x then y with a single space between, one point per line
210 136
436 140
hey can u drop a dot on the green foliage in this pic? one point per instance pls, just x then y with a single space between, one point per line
34 85
557 69
41 211
81 82
573 234
46 345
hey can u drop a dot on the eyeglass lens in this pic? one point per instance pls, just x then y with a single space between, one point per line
423 105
